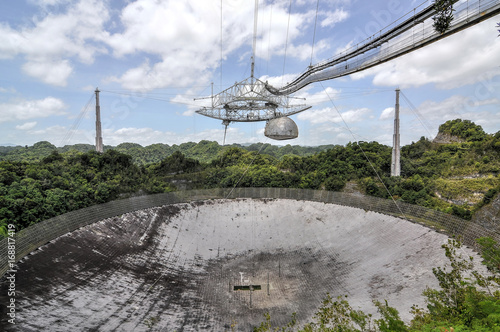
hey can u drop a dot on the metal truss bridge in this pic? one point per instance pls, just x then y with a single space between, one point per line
415 31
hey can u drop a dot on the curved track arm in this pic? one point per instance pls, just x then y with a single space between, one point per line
471 13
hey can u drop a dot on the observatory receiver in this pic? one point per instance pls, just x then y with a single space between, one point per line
251 101
281 129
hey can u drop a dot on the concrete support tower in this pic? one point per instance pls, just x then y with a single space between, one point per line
396 153
98 134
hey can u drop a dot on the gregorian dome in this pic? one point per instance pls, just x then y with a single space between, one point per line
281 128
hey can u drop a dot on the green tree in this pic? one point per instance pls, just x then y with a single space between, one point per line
444 15
464 302
335 183
490 252
3 228
461 300
177 163
464 129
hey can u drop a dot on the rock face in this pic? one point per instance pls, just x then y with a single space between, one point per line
489 215
443 138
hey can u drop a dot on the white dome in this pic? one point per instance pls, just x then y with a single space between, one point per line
281 129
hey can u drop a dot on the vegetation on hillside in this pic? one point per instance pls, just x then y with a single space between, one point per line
463 129
204 151
31 192
456 178
40 182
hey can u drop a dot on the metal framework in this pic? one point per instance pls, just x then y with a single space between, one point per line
249 101
252 100
415 31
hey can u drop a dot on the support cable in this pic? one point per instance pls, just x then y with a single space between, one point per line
254 44
131 94
419 116
286 41
246 170
269 40
69 135
314 34
221 45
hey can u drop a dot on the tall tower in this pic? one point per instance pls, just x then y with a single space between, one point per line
396 153
98 134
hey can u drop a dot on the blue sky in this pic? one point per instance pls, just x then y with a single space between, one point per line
151 58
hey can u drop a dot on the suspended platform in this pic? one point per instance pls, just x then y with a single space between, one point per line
250 101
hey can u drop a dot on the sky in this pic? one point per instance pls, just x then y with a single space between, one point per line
153 59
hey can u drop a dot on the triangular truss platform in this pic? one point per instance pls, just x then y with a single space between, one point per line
250 101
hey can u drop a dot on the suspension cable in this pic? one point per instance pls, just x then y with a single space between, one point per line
246 170
221 45
419 116
286 41
314 34
143 96
269 40
67 137
254 44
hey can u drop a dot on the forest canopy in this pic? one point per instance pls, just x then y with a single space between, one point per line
42 181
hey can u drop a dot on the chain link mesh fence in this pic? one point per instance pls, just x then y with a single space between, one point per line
31 238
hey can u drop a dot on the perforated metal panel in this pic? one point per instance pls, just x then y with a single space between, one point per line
31 238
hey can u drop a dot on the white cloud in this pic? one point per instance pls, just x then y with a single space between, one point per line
277 81
462 59
327 95
431 114
172 71
26 126
53 131
452 107
181 35
51 72
148 136
49 42
45 3
181 41
31 109
7 90
192 105
331 115
345 48
54 134
332 18
137 135
286 27
388 113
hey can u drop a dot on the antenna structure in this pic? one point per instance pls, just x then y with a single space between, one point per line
396 152
250 100
98 132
